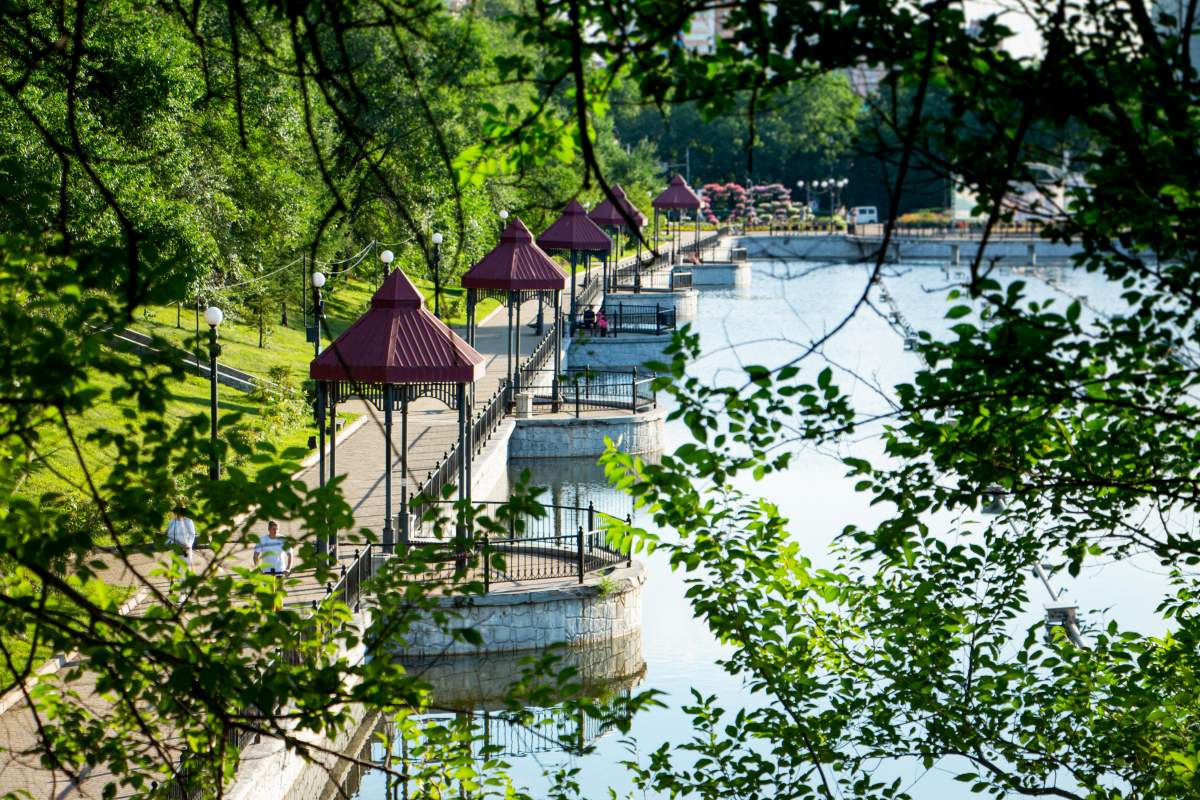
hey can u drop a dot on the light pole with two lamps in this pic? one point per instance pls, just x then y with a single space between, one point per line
213 316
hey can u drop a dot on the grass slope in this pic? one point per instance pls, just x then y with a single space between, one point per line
286 346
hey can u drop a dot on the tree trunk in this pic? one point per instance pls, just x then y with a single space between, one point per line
283 313
262 327
178 314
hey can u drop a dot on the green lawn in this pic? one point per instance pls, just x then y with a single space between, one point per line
286 346
190 396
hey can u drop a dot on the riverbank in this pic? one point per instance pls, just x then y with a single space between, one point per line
953 250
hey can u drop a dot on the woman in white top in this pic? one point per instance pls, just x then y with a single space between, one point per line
181 533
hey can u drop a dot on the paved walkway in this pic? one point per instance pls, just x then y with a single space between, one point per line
360 458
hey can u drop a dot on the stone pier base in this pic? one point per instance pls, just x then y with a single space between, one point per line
568 437
601 609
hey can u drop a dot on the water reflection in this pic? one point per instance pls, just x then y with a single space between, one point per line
785 307
469 692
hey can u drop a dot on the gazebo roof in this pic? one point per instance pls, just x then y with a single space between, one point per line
677 195
574 231
607 213
516 264
398 341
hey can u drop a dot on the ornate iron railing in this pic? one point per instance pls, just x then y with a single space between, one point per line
586 389
628 318
561 542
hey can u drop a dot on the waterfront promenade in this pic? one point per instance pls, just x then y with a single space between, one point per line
360 459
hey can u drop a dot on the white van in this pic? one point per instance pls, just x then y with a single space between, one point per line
864 215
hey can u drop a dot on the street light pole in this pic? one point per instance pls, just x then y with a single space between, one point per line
437 270
318 280
213 317
386 258
503 220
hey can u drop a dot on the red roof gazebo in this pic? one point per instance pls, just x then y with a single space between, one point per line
574 231
677 197
398 351
515 267
608 214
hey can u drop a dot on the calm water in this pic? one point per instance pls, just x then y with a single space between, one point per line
785 306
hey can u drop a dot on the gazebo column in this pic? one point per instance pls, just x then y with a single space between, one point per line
333 398
557 349
508 349
696 243
517 347
404 532
470 437
574 310
388 534
321 422
461 397
541 317
463 454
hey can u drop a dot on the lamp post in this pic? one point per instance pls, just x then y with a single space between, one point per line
213 316
437 271
318 280
503 220
386 258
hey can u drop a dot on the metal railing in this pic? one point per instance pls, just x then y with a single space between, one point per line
681 279
1030 229
587 389
563 542
628 318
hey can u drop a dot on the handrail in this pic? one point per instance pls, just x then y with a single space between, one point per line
561 545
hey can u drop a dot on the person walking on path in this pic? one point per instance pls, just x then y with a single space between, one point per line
181 534
271 554
602 323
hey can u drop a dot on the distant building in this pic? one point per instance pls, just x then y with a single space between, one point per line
705 29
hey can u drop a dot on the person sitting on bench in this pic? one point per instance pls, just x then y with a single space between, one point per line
589 319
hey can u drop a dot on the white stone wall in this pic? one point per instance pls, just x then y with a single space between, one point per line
855 248
474 681
489 470
721 274
510 621
557 437
622 351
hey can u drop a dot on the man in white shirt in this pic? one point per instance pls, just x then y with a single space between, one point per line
271 554
181 534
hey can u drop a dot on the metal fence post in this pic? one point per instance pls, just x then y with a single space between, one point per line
633 393
629 561
591 515
487 564
579 552
577 397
